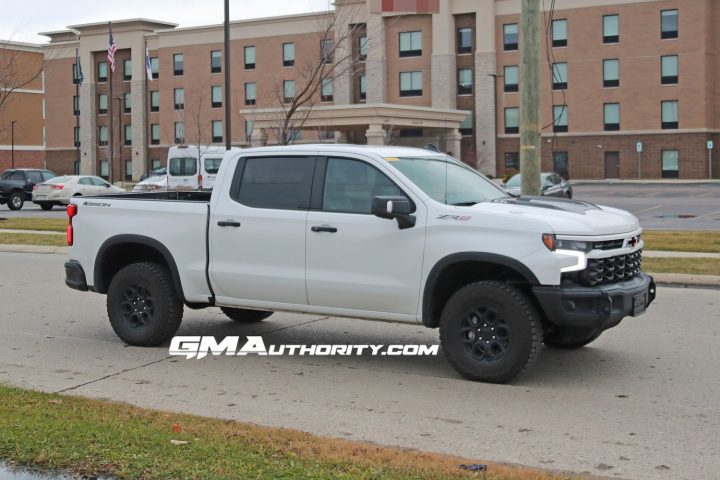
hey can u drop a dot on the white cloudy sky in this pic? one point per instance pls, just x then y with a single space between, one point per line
21 20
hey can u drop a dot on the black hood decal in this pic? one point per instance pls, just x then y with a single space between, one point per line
572 206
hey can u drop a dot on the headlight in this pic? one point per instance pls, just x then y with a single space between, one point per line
575 245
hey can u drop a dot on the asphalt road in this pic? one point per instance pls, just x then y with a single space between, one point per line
660 206
30 210
642 402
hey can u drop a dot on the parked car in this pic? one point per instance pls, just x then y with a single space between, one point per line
16 185
193 168
382 233
551 184
156 183
155 173
59 190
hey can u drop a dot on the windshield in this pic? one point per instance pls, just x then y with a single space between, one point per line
514 181
448 181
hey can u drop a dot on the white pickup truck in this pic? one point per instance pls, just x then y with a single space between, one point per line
383 233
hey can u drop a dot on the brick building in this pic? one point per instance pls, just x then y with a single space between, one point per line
618 76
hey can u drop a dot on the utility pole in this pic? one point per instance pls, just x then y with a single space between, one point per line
12 143
530 128
226 58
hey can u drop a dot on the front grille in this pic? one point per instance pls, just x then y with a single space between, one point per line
608 244
601 271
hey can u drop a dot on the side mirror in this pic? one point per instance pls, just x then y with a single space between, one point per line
107 185
398 208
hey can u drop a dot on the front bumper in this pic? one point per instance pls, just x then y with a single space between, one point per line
600 307
75 276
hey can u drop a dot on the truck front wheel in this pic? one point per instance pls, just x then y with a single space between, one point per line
143 306
241 315
490 332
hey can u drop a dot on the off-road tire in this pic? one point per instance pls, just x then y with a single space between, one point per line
490 332
570 338
16 201
143 306
242 315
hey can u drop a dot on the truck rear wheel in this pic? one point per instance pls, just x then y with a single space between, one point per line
570 338
242 315
143 306
490 332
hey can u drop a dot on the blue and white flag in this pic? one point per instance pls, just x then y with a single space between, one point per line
148 64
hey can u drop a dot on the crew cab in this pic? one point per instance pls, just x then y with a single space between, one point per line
16 185
380 233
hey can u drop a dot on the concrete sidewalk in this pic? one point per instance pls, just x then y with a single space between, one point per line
30 232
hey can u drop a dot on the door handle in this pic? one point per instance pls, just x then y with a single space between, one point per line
228 223
324 228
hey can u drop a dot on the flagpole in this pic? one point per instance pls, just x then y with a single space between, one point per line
77 117
110 114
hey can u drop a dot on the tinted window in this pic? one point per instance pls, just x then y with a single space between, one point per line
47 175
99 182
85 181
34 177
280 183
15 176
180 167
212 165
350 186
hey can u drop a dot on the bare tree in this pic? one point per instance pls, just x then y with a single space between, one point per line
196 124
333 60
17 71
390 134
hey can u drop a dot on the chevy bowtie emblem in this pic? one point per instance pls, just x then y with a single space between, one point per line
633 241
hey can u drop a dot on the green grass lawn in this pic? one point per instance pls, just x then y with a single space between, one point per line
43 224
682 241
94 437
33 239
695 266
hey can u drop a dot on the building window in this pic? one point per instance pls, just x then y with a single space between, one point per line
76 136
466 126
249 127
128 135
288 54
178 64
326 92
363 87
179 96
76 74
512 120
216 96
510 37
465 81
411 132
411 84
179 132
512 161
127 70
104 169
102 72
363 47
464 40
127 103
611 29
155 101
76 105
103 136
250 93
560 76
249 53
669 24
410 44
669 70
559 33
560 118
669 115
611 73
289 91
326 51
155 164
215 61
155 134
510 78
102 104
326 134
154 67
128 170
217 131
670 164
611 117
561 164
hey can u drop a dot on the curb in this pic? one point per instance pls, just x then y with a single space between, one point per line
33 249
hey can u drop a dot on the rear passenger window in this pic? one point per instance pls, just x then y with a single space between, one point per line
34 177
276 182
212 165
350 186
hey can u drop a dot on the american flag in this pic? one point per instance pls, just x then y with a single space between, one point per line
112 48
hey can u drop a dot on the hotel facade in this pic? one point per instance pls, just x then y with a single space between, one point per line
629 87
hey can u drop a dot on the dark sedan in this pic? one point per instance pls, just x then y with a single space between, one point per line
551 184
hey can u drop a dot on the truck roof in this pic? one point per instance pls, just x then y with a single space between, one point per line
383 151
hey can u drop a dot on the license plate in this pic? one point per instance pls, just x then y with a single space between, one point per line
639 304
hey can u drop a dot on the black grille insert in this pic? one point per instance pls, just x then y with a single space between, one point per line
601 271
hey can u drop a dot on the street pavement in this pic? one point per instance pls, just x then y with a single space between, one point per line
660 206
30 210
639 403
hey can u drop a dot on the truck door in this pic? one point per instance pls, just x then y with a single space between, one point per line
356 260
257 230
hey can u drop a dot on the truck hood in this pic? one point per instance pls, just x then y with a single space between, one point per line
565 217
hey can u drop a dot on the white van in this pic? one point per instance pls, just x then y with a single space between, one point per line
193 168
